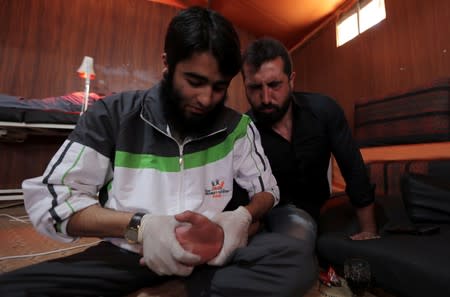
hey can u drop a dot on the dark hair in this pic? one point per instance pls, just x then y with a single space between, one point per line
197 30
266 49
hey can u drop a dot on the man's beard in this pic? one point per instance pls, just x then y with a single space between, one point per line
195 123
269 119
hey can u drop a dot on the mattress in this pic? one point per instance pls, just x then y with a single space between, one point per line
56 115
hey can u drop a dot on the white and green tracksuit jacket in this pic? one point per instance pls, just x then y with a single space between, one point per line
122 156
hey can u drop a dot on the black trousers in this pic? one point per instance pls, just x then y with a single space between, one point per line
271 265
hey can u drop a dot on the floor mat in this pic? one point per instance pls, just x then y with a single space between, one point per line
18 239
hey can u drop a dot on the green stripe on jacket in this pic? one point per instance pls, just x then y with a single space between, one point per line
193 160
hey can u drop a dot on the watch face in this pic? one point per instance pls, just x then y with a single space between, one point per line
131 235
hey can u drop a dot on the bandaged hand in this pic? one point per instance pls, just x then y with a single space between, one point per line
235 225
199 235
162 253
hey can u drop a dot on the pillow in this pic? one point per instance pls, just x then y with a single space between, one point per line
426 198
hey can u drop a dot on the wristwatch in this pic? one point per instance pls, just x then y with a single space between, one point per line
132 231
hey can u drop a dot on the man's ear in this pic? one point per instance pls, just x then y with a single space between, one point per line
291 80
164 60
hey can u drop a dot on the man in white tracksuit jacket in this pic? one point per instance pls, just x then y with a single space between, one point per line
151 172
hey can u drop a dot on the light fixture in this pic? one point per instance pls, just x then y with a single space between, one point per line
86 71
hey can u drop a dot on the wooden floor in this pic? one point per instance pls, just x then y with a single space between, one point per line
21 245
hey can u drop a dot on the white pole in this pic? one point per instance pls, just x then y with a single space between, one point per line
84 106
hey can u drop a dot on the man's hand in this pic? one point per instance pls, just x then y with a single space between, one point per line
235 225
364 236
200 236
161 251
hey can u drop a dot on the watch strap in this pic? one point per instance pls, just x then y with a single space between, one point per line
134 225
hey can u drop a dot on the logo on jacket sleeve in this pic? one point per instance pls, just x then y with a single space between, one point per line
217 189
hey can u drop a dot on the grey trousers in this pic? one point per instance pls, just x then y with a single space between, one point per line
290 220
271 265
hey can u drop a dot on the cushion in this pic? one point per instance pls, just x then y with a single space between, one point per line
426 198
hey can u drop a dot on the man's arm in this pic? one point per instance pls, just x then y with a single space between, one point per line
161 251
260 204
351 163
255 176
66 188
97 221
367 223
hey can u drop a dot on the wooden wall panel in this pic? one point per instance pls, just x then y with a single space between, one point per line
236 91
410 48
42 44
44 41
